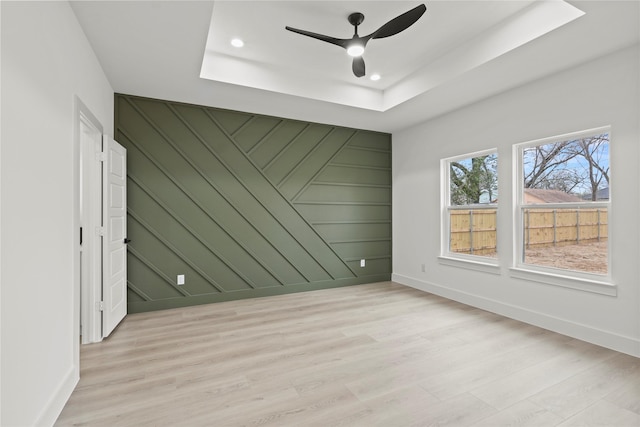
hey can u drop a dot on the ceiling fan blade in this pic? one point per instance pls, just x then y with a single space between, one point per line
328 39
399 23
358 66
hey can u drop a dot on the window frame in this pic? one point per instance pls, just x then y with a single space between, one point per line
592 282
447 257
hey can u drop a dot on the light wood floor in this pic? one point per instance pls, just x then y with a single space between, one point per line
369 355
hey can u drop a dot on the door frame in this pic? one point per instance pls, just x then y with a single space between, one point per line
88 293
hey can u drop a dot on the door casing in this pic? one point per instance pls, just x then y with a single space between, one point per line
90 218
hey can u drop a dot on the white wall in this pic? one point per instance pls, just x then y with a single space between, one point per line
46 62
0 217
601 92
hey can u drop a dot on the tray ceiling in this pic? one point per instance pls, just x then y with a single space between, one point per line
458 53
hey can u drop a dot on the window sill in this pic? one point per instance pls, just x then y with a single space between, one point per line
565 281
470 264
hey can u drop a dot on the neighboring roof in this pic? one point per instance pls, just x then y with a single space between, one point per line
603 194
551 196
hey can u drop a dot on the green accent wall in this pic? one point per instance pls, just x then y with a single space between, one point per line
246 205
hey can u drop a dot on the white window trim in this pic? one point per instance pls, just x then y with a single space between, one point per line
590 282
472 262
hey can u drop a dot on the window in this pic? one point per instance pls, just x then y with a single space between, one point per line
563 204
470 197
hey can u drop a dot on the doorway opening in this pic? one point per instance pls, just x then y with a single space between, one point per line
101 297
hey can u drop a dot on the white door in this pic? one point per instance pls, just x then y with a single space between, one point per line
114 281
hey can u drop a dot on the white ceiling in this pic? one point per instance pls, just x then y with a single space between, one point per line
449 40
458 53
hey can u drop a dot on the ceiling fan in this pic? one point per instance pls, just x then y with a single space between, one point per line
355 45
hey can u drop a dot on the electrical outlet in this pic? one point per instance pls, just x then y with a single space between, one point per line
180 279
423 268
362 263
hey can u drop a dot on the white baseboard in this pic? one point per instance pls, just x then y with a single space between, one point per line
621 343
57 401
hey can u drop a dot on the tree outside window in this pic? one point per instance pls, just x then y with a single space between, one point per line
579 166
474 180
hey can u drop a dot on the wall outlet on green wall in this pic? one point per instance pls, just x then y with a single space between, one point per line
362 263
180 279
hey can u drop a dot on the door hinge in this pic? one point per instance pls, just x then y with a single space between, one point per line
100 305
100 156
99 231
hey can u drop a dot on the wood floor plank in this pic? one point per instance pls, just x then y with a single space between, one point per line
603 414
627 396
404 407
523 384
483 371
580 391
462 410
369 355
522 414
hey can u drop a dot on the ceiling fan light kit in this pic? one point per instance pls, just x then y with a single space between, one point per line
355 46
355 49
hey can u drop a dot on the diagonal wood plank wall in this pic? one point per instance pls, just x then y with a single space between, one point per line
246 205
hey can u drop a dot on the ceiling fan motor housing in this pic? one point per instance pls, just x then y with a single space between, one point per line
356 18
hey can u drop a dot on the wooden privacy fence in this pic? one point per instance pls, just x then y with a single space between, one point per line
473 231
556 227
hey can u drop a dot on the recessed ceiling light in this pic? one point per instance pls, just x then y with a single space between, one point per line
375 77
237 42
